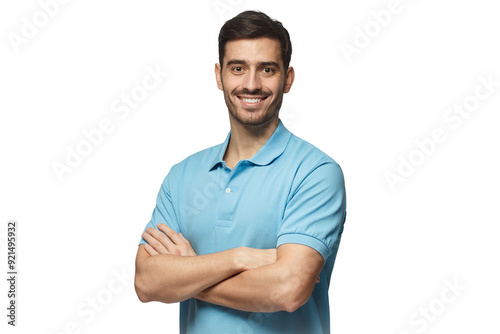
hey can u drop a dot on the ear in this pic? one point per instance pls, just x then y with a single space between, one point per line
290 76
218 77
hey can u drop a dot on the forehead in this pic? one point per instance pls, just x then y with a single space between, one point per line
254 50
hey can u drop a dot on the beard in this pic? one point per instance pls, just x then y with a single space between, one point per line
248 116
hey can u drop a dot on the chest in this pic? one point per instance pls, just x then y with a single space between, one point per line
223 210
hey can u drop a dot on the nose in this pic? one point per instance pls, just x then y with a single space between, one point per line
252 81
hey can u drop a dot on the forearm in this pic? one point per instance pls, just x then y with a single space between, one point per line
284 285
269 288
170 278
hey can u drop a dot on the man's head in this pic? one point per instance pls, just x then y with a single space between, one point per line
250 25
254 70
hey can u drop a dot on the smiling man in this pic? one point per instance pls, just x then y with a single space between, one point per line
245 234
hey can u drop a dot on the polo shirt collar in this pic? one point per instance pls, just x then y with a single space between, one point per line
272 149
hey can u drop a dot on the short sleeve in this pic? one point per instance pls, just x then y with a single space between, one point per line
164 211
315 213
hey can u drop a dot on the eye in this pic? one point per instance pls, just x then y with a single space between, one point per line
237 69
268 71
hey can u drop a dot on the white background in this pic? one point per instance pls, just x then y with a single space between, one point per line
400 246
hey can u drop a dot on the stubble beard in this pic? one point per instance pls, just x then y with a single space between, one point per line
262 118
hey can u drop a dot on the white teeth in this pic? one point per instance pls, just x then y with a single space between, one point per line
251 100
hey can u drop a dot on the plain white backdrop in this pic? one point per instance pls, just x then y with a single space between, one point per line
373 78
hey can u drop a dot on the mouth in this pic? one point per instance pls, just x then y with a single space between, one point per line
252 101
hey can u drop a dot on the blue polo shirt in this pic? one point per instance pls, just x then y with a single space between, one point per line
288 192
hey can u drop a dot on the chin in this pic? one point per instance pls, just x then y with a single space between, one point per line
244 118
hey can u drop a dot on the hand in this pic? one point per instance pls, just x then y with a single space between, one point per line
168 242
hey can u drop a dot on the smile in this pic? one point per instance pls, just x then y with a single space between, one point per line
253 100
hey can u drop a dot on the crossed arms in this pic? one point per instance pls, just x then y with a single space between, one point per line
248 279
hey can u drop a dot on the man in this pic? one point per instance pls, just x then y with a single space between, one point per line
245 233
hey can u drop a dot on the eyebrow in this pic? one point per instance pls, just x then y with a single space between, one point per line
243 62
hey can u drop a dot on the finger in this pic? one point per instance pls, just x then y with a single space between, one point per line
161 237
171 234
184 238
191 251
154 242
151 251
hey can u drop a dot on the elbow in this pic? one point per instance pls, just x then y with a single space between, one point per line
147 291
143 297
149 285
294 293
140 289
293 302
292 307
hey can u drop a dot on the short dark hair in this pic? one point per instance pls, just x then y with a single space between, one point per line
254 24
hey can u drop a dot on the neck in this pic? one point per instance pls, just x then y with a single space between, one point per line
246 140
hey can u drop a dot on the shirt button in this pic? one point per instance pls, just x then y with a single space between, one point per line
228 190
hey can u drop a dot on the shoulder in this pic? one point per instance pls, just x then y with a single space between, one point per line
309 158
318 178
194 164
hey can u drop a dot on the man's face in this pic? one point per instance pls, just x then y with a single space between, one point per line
253 80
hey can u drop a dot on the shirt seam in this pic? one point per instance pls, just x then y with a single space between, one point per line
307 235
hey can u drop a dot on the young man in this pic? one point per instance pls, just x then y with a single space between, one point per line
245 233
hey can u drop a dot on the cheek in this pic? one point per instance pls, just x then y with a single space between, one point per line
275 85
231 87
276 89
231 82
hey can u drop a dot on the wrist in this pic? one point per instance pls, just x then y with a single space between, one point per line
240 259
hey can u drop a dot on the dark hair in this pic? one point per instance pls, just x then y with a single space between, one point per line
253 24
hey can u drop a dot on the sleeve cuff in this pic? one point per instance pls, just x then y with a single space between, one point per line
306 240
